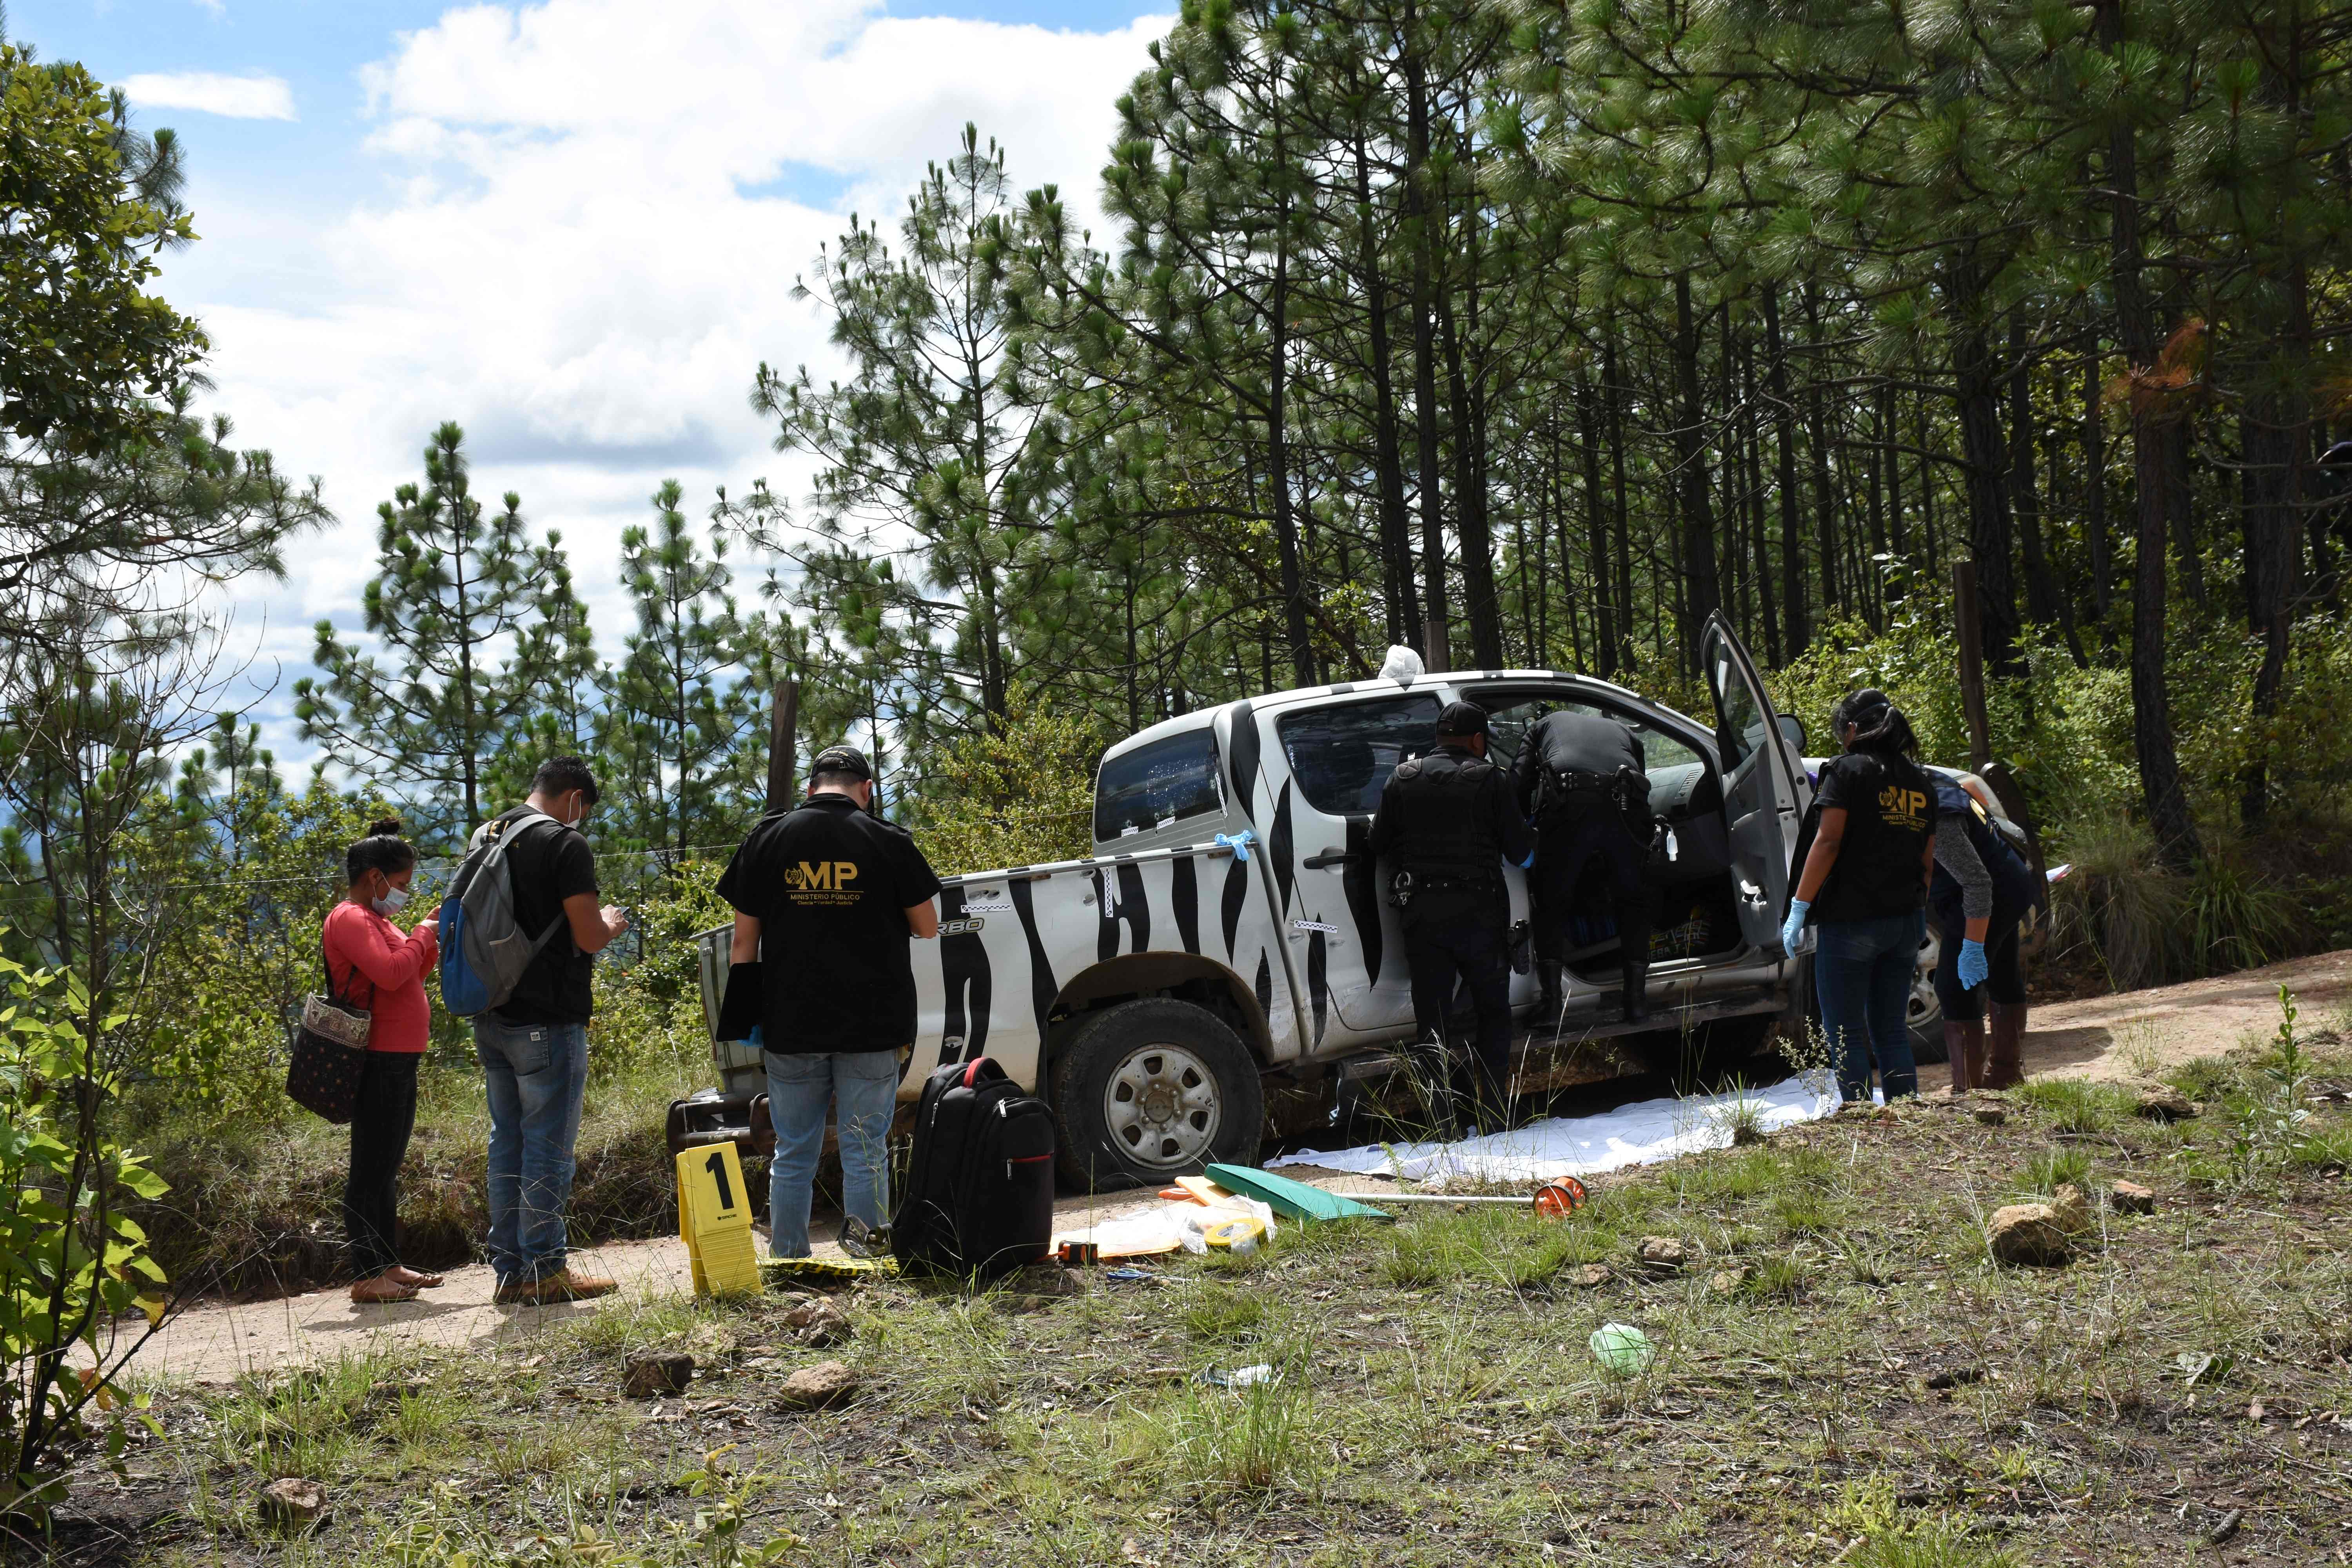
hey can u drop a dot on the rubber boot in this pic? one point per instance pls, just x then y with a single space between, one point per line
1545 1020
2005 1064
1637 1002
1964 1048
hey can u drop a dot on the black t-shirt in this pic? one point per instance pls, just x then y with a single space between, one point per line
550 863
830 887
1890 816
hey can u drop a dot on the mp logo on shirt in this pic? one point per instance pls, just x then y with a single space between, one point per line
1904 808
822 882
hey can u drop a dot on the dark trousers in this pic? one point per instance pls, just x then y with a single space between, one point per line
1565 846
1472 952
383 1116
2005 983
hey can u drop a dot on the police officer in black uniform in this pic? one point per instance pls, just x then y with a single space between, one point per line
1446 823
1582 779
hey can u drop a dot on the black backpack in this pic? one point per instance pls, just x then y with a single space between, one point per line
980 1186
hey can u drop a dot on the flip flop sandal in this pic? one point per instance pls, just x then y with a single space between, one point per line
398 1292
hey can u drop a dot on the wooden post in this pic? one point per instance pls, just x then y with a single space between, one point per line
784 760
1972 692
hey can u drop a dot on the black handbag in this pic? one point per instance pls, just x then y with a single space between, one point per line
329 1053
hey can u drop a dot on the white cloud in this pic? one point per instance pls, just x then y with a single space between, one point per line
583 249
254 97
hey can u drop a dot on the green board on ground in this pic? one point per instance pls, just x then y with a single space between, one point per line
1295 1199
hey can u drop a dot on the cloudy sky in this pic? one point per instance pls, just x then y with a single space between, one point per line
572 227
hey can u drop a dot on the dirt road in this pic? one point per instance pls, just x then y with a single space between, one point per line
2126 1036
2137 1033
220 1342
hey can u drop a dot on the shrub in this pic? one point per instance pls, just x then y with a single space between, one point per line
72 1262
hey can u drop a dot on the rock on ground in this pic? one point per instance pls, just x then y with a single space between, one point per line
1728 1281
2162 1102
2028 1235
293 1503
819 1323
818 1387
1992 1115
1663 1255
648 1374
2130 1197
2072 1207
1589 1276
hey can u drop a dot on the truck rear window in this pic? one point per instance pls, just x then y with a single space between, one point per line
1341 755
1157 784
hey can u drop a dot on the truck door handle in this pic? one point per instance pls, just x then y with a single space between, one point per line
1328 858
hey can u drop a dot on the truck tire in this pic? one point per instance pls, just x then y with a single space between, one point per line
1152 1090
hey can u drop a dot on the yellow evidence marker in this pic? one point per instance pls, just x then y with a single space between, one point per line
714 1218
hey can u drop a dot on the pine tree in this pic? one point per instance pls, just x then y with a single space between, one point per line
450 606
681 709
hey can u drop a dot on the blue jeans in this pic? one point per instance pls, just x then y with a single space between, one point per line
1862 973
536 1075
864 1086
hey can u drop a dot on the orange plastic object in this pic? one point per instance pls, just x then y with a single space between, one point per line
1177 1196
1557 1200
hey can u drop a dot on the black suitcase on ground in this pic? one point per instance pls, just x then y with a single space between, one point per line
980 1185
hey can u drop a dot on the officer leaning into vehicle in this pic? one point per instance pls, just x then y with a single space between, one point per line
1447 822
1583 781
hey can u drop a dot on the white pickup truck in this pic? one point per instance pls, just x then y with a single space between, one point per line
1229 945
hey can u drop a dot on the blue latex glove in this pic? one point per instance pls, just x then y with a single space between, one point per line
1973 967
1794 926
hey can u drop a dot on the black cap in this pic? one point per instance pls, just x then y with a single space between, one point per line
842 760
1462 718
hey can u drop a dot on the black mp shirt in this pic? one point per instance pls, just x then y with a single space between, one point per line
1890 816
830 887
549 865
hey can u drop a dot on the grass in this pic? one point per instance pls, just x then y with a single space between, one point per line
1873 1387
2077 1105
254 1205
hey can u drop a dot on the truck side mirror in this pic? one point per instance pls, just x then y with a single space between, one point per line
1793 729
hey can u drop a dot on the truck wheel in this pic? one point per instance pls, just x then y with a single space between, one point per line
1153 1090
1922 1010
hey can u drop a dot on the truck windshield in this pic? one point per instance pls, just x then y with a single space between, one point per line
1155 785
1342 754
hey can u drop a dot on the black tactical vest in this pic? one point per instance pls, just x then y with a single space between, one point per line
1448 834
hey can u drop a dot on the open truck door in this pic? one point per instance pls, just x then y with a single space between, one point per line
1764 786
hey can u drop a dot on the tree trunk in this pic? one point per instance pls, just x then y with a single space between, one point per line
1793 546
1984 459
1606 615
1424 349
1388 462
2094 490
1277 442
1760 564
2276 427
1469 485
2154 431
1817 433
1617 504
1702 595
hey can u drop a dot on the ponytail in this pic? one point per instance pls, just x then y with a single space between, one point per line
1879 727
383 849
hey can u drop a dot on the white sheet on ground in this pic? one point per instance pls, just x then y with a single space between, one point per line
1638 1134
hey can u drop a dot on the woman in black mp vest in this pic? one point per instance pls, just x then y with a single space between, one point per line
1865 884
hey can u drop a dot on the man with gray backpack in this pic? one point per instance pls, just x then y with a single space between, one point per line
523 928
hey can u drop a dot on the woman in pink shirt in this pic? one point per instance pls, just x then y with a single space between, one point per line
370 964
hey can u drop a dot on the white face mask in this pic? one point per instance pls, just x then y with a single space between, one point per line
574 823
390 904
